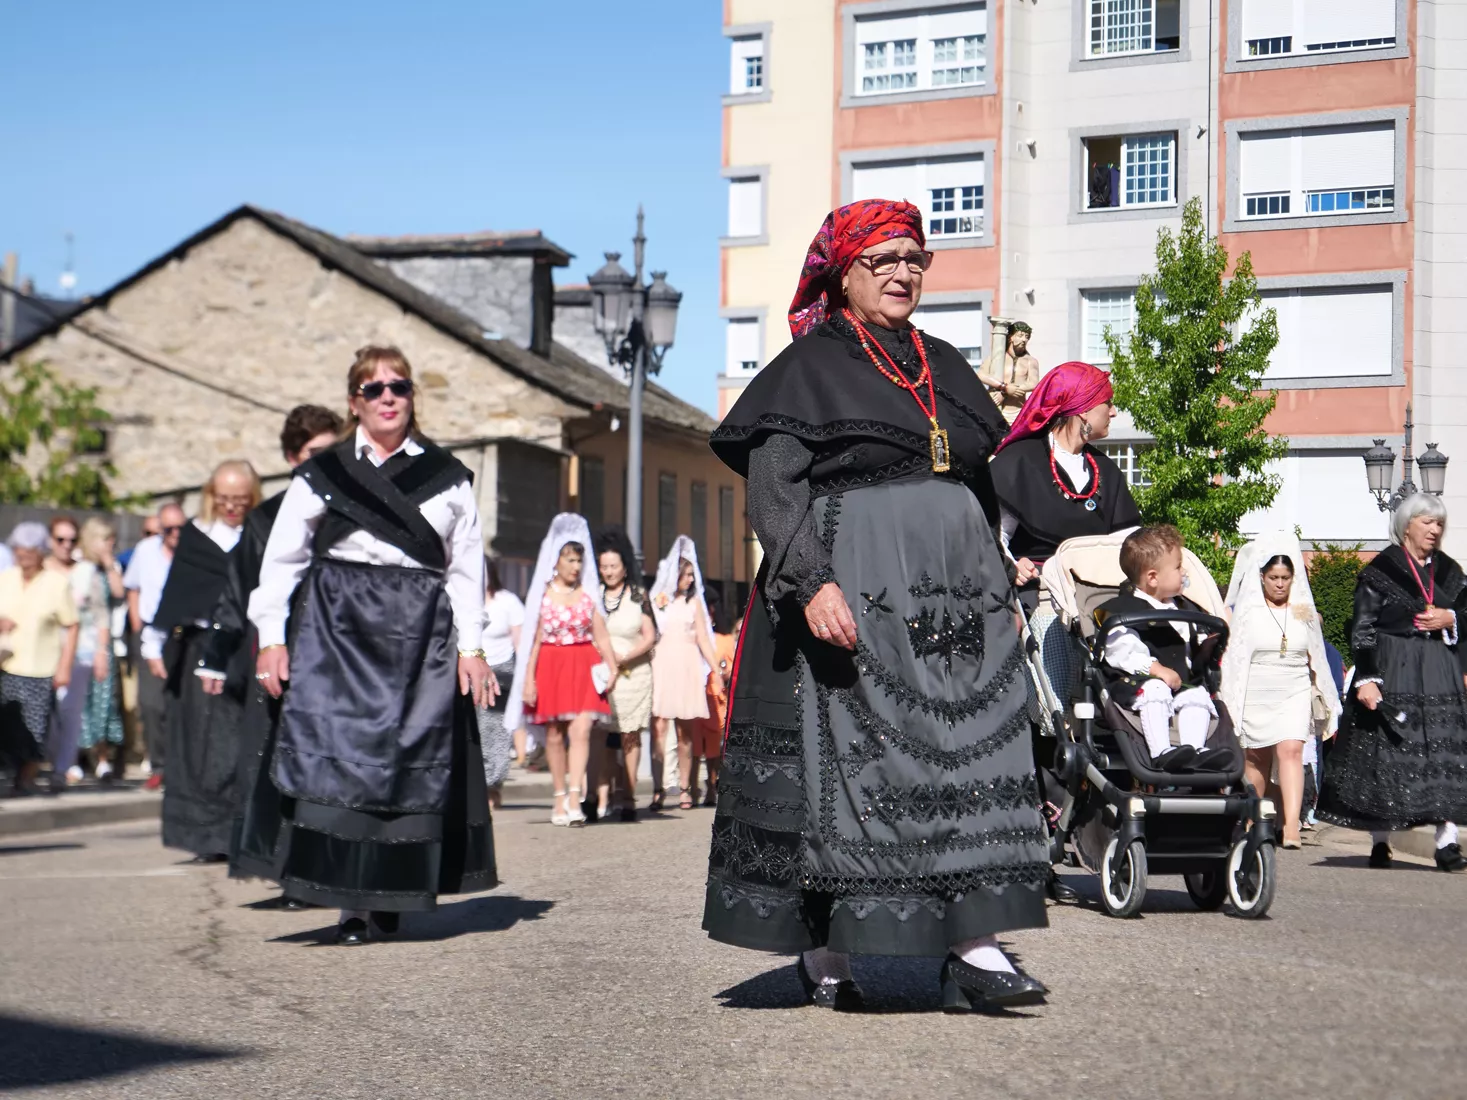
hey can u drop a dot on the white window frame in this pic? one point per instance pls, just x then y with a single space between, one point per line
755 318
1082 14
1088 300
1127 457
1239 60
1396 280
853 53
1237 219
744 31
1373 196
1080 139
943 301
746 174
922 154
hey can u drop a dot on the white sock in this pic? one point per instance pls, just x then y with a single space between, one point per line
828 967
1446 833
1156 722
1380 838
985 954
1192 723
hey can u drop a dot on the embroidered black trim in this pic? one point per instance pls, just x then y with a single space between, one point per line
963 635
950 712
831 430
808 588
859 754
875 603
764 903
950 801
830 522
944 884
926 588
883 732
764 740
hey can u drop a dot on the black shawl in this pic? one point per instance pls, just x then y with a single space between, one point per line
198 574
1388 599
224 651
1026 487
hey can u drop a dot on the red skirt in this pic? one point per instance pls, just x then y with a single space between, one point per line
563 687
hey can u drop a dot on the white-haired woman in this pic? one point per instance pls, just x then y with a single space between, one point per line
685 663
1401 760
1275 667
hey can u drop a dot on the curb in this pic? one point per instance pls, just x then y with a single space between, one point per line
44 815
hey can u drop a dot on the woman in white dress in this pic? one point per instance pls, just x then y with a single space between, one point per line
633 631
1275 668
504 617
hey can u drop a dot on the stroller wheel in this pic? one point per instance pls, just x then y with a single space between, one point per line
1209 889
1123 878
1251 888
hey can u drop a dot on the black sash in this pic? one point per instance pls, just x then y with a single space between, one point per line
197 576
383 501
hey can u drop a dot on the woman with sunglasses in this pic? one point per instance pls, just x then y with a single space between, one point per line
877 794
377 559
93 640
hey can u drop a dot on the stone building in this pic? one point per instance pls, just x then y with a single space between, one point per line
198 356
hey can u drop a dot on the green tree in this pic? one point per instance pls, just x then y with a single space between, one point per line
1333 571
49 433
1189 375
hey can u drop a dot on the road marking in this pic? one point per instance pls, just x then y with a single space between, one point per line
163 872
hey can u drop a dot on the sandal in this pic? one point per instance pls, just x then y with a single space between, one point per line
575 816
559 817
685 802
658 795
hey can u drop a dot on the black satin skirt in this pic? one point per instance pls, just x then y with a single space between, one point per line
320 849
201 798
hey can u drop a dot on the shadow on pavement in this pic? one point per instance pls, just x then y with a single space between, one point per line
459 918
27 849
35 1053
1363 863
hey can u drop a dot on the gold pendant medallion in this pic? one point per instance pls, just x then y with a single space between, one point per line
937 445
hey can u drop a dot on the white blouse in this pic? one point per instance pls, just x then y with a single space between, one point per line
453 513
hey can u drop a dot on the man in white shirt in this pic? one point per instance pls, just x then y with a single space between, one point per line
147 573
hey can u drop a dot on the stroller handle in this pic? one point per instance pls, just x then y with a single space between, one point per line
1211 624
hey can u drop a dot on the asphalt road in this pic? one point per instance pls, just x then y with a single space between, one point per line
126 974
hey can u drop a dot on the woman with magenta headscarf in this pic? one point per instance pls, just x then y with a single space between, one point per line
1051 481
878 793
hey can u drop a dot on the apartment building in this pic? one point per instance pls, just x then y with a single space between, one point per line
1046 142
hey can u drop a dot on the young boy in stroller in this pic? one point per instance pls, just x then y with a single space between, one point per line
1160 669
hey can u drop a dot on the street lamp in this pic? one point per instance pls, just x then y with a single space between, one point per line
1380 466
637 323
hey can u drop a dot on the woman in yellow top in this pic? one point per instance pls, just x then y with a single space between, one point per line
38 633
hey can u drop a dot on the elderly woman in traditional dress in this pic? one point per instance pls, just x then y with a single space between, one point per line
877 794
1275 669
1401 760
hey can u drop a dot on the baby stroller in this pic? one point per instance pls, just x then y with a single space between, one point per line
1119 817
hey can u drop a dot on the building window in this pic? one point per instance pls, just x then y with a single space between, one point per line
1127 456
698 511
593 492
1105 309
962 326
745 206
1280 28
743 356
726 531
921 51
746 70
949 190
1119 27
1326 170
666 513
1131 170
1332 332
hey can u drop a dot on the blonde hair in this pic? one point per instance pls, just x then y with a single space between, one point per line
363 367
94 534
235 466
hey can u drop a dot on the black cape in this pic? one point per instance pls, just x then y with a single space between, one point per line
1026 487
197 576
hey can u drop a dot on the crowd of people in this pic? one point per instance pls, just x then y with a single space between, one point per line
334 682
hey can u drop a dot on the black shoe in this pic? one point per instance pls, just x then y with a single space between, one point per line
629 814
842 996
386 923
1451 858
1213 760
1380 856
352 933
1060 891
1179 759
965 988
213 858
588 807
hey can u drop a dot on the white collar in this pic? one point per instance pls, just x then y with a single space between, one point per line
363 446
1170 605
1057 449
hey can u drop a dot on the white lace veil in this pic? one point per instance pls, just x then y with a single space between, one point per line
564 528
666 585
1252 621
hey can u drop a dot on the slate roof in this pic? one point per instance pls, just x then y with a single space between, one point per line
528 242
564 373
34 313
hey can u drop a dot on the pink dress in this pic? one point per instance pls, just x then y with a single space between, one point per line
563 686
679 685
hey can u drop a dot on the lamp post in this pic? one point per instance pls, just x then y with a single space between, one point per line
638 323
1380 467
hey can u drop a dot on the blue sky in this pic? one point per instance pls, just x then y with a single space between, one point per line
132 125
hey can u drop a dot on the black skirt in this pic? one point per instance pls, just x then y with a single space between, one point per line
201 797
1386 772
316 845
885 803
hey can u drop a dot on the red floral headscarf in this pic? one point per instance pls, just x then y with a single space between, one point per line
1067 390
847 233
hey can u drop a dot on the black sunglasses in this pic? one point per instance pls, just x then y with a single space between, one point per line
398 387
884 263
172 530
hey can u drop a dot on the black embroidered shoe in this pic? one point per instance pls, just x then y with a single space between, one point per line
843 996
1380 856
1451 859
1179 759
966 987
352 932
1060 891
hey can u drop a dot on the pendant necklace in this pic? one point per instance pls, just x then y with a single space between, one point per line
1283 630
1090 498
613 608
1429 595
937 444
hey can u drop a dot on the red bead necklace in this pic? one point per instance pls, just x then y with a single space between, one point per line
1088 497
937 437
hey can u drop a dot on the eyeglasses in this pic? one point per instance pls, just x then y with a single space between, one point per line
173 530
884 263
64 540
236 502
398 387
